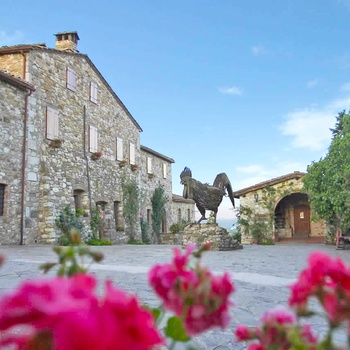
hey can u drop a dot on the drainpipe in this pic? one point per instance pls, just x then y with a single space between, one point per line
87 161
24 163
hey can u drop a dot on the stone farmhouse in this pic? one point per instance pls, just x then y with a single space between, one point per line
283 204
67 139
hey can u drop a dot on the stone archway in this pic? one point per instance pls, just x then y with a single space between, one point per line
292 216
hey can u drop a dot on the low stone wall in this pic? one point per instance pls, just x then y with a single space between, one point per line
172 238
216 235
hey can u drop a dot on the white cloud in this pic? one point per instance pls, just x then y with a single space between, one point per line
258 50
309 127
10 39
312 83
232 90
253 168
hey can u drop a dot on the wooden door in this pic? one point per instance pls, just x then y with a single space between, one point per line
301 220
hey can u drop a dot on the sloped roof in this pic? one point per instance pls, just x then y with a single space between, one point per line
29 47
20 83
296 175
148 150
180 199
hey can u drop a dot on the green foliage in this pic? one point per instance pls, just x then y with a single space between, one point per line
327 181
130 206
176 330
70 259
250 223
67 221
79 212
144 232
178 227
95 223
158 202
98 242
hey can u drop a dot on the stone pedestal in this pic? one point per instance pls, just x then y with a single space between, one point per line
213 233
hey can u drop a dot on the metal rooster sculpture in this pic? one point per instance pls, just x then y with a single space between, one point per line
205 196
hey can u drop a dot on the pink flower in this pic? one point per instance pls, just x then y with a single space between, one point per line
195 295
65 314
243 333
274 332
328 280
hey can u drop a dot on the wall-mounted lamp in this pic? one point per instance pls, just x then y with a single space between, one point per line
256 197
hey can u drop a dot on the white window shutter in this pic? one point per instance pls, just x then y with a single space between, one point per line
52 127
71 82
93 136
132 153
164 170
93 92
119 148
149 165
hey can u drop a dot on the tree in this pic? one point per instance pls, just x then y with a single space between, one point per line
158 201
328 181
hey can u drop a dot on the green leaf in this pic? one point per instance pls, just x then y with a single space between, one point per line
175 330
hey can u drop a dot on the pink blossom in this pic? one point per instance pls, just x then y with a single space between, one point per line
328 280
65 314
195 295
243 333
274 331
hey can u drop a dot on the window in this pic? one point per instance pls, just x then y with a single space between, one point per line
132 153
52 117
71 84
78 203
189 215
149 165
93 139
120 149
164 170
93 92
179 216
2 199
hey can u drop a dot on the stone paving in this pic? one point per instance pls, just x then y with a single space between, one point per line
261 275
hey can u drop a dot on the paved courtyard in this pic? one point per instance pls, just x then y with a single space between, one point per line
261 275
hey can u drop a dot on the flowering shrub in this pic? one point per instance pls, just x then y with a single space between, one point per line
64 312
195 295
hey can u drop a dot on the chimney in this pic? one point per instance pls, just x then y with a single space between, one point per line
67 41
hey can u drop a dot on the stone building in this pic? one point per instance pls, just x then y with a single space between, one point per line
72 140
284 206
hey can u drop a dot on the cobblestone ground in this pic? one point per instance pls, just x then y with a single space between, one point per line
261 275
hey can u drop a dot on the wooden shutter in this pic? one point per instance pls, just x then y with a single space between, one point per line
149 165
132 153
52 127
119 149
93 136
71 84
93 92
164 170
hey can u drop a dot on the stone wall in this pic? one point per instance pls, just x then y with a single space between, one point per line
11 130
216 235
183 210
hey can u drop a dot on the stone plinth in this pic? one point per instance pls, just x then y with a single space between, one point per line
213 233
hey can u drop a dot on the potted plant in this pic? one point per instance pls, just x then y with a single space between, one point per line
122 163
56 143
133 167
96 155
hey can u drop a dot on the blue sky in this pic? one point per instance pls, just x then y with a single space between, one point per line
249 88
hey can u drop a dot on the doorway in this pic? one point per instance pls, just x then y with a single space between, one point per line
301 221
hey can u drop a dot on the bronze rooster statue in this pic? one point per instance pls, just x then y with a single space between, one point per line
205 196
